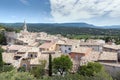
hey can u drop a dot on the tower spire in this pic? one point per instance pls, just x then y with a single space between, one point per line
25 27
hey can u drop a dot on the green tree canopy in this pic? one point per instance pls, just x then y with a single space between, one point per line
2 39
62 64
50 65
90 69
39 71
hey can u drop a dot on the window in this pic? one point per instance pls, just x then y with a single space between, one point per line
65 51
69 48
75 46
35 55
25 65
31 55
60 49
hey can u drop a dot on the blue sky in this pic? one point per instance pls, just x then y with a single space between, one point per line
97 12
17 10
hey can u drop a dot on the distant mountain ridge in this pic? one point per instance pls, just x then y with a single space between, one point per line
76 25
112 27
67 28
82 25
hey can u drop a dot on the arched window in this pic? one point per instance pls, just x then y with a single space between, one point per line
24 65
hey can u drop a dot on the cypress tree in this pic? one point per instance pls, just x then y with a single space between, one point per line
1 60
50 65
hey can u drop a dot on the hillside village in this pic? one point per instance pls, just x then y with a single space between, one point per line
28 48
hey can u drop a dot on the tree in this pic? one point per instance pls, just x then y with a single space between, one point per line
39 71
62 64
50 65
107 39
90 69
2 39
1 60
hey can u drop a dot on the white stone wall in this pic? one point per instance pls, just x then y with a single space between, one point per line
97 48
94 47
65 48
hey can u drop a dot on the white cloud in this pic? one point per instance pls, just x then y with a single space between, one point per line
25 2
73 10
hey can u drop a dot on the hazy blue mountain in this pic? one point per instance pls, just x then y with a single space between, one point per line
83 25
112 27
68 28
75 25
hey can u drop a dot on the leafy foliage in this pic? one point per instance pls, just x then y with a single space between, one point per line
98 76
14 75
7 68
102 75
62 64
1 60
39 71
22 69
2 39
90 69
66 77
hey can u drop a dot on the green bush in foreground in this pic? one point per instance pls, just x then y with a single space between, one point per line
21 69
98 76
14 75
90 69
7 68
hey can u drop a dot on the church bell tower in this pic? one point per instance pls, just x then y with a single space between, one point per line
25 27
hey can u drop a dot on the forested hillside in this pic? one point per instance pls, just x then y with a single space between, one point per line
65 29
